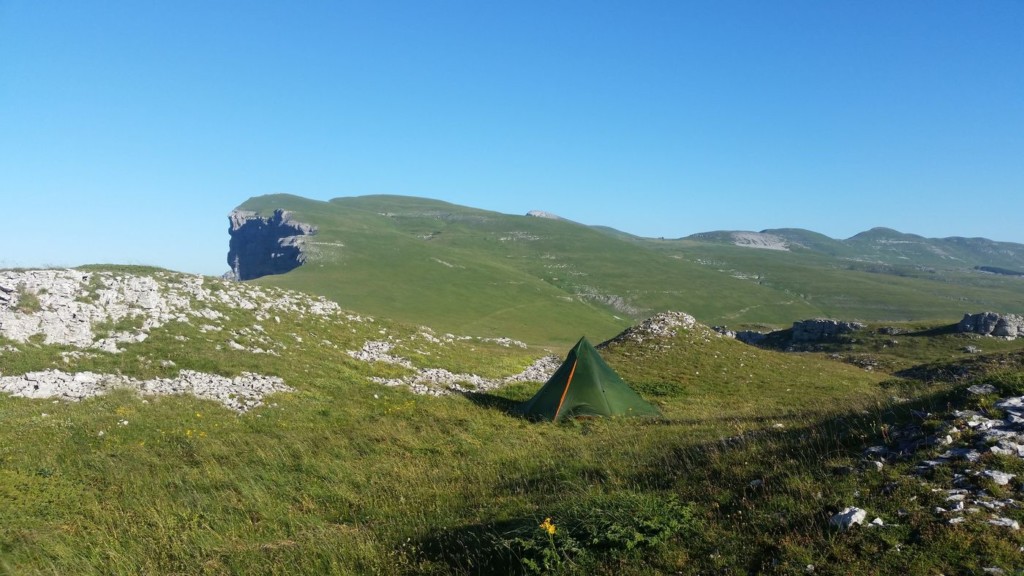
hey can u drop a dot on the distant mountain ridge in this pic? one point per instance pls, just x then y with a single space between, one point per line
551 280
880 244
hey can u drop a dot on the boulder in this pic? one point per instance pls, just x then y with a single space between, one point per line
992 324
848 517
822 329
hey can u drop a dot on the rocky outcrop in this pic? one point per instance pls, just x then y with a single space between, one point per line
106 311
822 329
992 324
261 246
241 393
441 382
752 337
657 329
963 445
97 312
759 240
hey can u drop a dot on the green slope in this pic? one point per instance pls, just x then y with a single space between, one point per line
550 281
472 271
756 451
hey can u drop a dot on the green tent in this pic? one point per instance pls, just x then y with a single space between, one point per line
585 386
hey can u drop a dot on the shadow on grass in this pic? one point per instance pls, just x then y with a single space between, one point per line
939 331
730 501
492 402
964 369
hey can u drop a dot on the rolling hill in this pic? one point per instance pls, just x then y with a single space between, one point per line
549 280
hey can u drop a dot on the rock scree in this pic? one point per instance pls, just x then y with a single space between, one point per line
70 306
76 308
98 312
240 393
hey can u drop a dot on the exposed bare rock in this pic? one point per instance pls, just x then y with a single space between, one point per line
543 214
378 351
240 393
74 307
992 324
822 329
849 517
658 327
506 342
261 246
440 382
613 301
759 240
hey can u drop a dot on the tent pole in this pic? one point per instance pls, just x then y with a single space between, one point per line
566 391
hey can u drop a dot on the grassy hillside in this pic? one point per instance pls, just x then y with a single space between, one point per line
756 450
549 281
472 271
853 288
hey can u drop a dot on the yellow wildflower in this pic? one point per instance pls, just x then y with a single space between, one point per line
547 526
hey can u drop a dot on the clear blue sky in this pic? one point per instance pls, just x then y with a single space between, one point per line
129 129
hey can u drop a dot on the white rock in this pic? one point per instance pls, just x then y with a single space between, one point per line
848 517
241 393
1005 522
72 302
1000 478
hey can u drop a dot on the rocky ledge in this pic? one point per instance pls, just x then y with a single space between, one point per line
261 246
992 324
822 329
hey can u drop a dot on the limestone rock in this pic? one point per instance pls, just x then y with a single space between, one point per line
1005 522
73 304
992 324
762 240
822 329
1000 478
543 214
263 246
980 389
658 327
848 517
240 393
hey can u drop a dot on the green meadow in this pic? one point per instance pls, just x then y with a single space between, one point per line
463 270
755 451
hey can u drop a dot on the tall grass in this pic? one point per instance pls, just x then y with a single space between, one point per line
753 456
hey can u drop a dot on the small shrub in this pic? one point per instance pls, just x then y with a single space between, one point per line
28 302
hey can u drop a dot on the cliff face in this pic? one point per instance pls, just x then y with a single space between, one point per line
262 246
